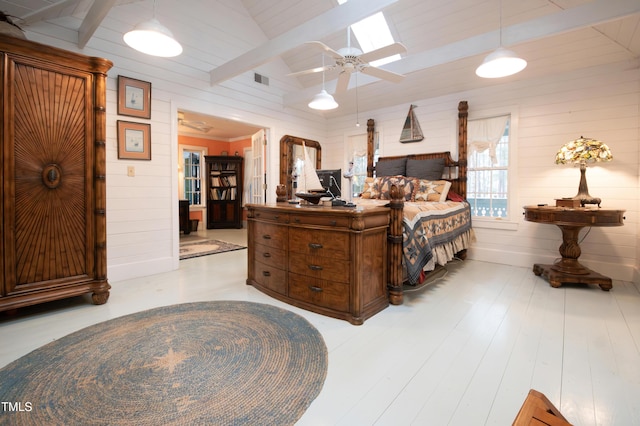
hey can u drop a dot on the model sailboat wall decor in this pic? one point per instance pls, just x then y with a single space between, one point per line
411 131
309 186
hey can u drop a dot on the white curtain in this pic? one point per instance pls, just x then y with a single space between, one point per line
485 134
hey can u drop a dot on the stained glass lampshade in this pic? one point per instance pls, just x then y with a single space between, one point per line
582 151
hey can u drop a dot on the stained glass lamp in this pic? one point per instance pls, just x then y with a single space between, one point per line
582 151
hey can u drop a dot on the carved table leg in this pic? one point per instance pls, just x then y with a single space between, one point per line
568 269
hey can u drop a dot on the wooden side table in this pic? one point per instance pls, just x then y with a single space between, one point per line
571 221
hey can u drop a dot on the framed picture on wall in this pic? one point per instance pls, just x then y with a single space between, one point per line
134 97
134 140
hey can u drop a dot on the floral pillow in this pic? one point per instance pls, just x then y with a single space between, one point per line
432 190
408 184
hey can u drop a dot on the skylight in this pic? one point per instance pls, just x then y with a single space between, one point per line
373 33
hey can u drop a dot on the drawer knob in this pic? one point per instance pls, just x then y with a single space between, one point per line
266 237
266 254
315 245
296 220
266 273
315 267
333 223
315 289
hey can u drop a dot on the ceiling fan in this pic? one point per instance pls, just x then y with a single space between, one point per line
200 126
349 60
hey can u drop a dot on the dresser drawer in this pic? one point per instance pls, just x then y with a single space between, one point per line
319 292
270 277
272 216
334 244
270 234
320 220
272 256
324 268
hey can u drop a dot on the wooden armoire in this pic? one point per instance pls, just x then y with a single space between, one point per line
52 172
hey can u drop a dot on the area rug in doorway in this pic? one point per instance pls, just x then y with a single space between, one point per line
190 249
213 363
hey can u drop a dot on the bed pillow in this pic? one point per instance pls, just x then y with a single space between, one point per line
432 190
395 167
430 169
371 188
454 196
409 185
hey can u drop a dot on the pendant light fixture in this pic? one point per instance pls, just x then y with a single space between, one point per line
323 100
153 38
501 62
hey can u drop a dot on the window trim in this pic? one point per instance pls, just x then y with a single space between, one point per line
510 224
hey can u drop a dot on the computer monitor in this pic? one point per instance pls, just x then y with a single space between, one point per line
331 181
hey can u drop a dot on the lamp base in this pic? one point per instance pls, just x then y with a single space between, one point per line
587 199
583 190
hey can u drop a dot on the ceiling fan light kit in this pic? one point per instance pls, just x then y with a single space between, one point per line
500 63
323 101
350 60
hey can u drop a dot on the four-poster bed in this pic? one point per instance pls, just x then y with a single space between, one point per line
450 227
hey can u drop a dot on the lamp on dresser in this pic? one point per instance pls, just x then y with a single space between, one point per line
582 151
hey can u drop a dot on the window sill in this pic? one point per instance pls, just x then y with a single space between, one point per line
503 224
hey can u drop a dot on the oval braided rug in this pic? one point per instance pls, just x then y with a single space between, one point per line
213 363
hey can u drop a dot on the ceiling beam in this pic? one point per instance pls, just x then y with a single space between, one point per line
93 19
336 19
49 12
587 15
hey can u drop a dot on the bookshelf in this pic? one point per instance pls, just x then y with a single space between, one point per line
224 191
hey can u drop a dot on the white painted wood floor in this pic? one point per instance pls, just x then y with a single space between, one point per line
463 351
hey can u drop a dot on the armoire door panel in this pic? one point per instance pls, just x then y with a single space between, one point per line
51 171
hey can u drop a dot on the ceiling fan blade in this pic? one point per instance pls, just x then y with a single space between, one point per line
343 82
330 51
383 74
310 71
383 52
197 125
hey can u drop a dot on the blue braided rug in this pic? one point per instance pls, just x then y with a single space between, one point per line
206 363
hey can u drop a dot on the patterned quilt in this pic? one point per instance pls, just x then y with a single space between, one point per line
433 232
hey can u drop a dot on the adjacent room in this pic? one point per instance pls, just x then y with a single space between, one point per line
320 212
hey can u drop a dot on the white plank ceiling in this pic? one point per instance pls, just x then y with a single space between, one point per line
445 39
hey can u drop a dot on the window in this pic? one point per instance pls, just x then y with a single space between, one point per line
488 167
192 166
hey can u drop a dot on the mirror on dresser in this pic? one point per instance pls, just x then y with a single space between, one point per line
291 153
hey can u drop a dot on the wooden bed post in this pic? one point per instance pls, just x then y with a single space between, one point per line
371 149
394 249
463 114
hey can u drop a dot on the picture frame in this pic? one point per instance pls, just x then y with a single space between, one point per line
134 97
134 140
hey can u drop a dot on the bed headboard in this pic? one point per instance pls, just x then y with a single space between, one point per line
454 171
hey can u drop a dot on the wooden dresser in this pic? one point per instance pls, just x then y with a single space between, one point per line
53 169
329 260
